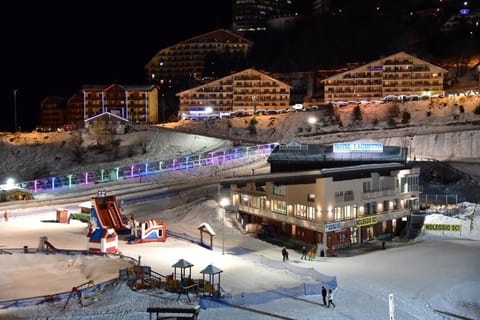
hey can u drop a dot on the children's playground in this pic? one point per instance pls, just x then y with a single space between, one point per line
191 272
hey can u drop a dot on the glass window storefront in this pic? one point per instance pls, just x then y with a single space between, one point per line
279 206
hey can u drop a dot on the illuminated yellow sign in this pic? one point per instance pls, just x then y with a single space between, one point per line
443 227
366 221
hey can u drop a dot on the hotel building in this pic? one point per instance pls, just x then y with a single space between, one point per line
245 91
186 60
336 196
136 103
396 76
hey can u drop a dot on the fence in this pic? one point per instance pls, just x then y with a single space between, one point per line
145 169
441 199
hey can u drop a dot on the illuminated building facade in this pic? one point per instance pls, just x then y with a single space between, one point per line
52 113
187 59
397 75
251 16
248 91
340 204
74 116
136 103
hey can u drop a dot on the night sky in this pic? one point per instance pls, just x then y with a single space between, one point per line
51 49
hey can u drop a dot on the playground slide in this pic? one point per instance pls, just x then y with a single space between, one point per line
108 213
49 245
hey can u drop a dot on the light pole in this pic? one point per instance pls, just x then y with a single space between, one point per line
223 203
15 108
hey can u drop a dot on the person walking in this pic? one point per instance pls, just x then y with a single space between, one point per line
285 254
304 253
330 298
324 295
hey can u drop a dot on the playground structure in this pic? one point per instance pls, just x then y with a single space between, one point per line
103 240
106 221
141 277
84 287
149 231
180 281
106 213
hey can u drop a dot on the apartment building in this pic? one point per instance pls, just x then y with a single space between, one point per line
340 204
52 113
246 91
136 103
186 60
252 16
74 116
396 76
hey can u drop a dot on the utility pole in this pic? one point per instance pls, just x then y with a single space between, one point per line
15 108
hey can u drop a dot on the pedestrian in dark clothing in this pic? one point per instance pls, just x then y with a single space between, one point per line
285 254
304 253
330 298
324 295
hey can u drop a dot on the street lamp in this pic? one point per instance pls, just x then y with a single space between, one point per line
223 203
15 108
312 120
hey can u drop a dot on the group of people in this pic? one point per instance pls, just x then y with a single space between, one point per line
327 297
306 254
309 254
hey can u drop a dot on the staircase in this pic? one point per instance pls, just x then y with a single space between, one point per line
414 227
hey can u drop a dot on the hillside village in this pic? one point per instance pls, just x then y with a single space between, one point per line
433 131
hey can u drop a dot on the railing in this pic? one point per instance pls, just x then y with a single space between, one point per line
145 169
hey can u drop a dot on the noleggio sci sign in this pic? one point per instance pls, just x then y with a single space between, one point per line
443 227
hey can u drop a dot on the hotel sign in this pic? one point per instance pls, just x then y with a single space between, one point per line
358 147
333 227
366 221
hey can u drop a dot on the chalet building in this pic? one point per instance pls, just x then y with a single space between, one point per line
398 75
106 124
52 113
187 59
246 91
136 103
336 196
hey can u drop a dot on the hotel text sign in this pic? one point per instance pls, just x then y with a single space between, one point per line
357 147
333 227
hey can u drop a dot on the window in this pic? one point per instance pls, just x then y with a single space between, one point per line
260 187
367 187
279 190
279 206
338 214
339 196
348 212
349 195
304 212
344 196
386 205
301 211
244 200
409 183
311 197
370 208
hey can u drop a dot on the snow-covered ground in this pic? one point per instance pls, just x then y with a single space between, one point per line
433 275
